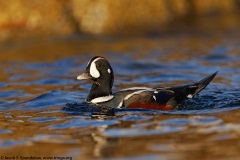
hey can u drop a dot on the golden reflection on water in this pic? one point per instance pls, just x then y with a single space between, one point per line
48 131
35 138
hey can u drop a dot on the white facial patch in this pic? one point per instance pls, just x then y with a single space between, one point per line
109 70
93 69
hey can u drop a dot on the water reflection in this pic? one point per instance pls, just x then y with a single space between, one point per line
34 93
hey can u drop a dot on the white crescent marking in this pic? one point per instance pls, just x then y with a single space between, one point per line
93 69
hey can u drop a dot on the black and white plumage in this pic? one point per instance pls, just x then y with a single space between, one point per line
101 73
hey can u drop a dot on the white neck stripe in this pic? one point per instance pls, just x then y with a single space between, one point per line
102 99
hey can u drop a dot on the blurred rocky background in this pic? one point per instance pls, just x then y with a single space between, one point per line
21 19
44 30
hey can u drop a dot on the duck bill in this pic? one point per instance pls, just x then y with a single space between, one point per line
84 76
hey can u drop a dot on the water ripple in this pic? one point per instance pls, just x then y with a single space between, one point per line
42 104
132 132
44 119
80 123
4 131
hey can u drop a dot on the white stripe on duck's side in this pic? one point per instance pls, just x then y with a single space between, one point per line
102 99
137 88
134 93
137 92
154 97
120 104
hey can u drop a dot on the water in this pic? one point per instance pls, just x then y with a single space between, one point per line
39 78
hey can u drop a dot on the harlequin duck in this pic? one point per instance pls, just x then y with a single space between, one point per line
101 73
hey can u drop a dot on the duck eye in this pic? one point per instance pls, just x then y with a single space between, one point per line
98 65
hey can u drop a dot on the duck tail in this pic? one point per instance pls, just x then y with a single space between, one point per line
204 82
189 91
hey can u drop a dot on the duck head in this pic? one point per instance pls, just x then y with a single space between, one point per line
100 72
